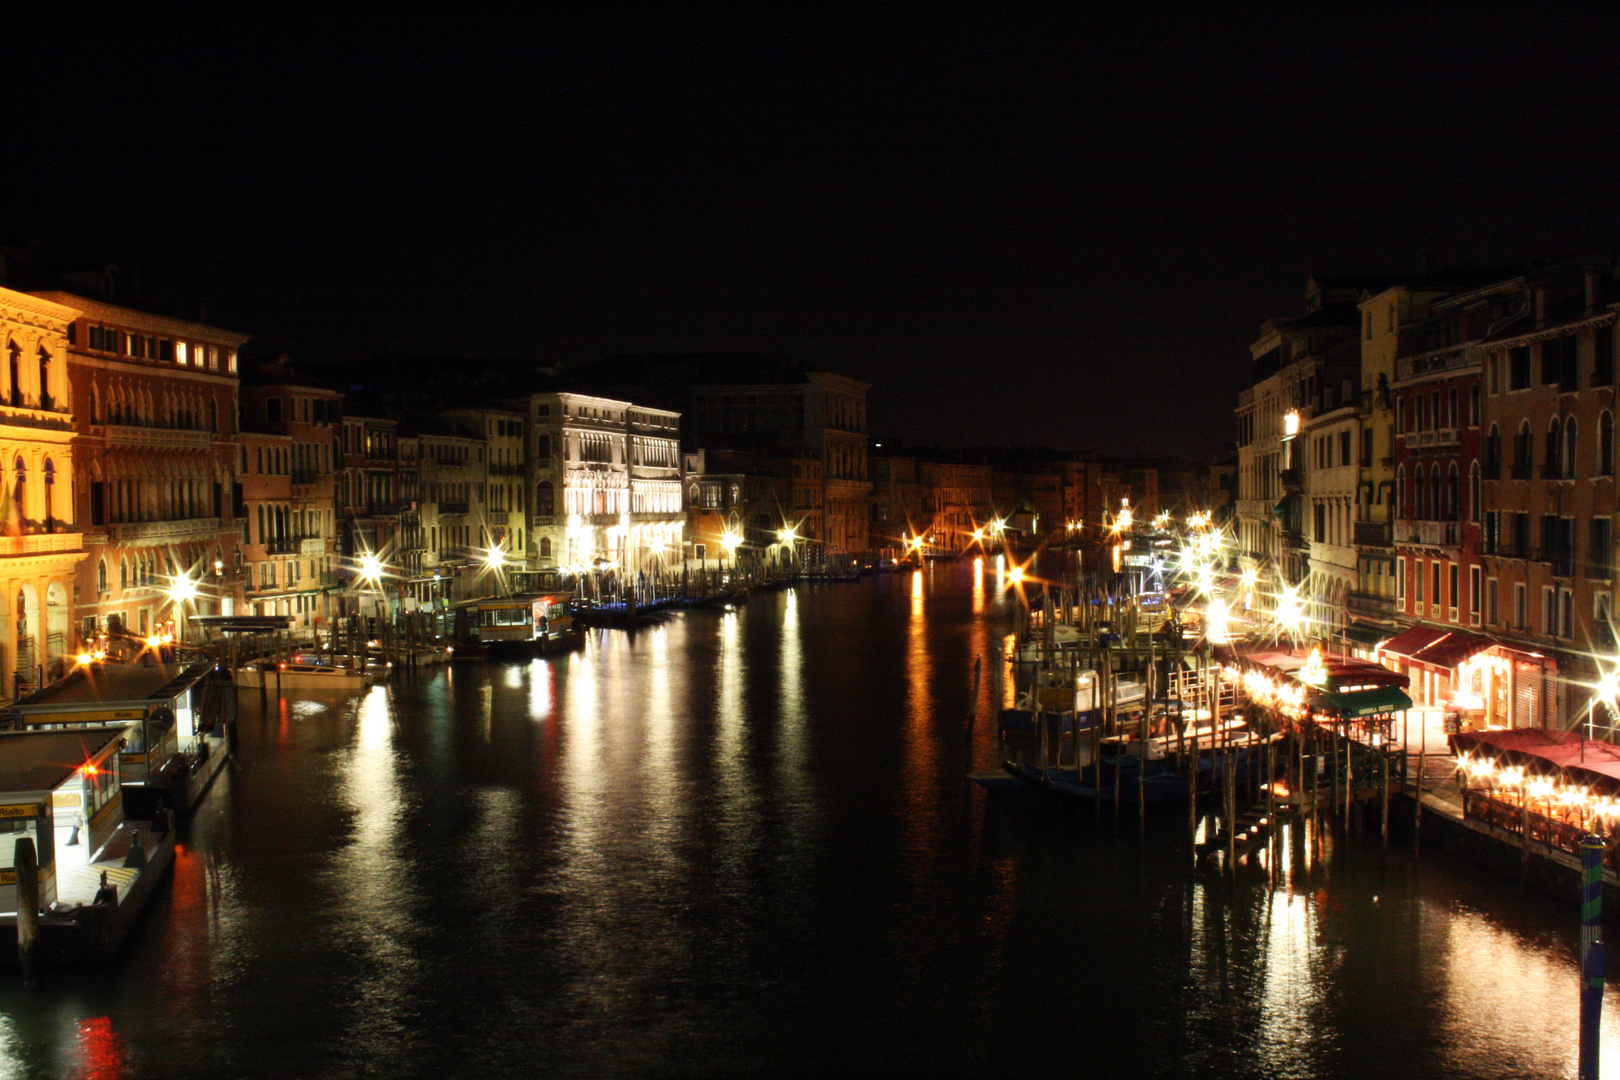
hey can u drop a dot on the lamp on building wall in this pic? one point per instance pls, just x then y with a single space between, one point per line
182 591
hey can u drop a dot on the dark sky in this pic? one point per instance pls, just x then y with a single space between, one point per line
1058 229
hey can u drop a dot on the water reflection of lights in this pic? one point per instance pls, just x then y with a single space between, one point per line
542 690
978 585
792 736
377 886
919 794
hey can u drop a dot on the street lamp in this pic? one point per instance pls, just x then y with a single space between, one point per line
729 542
181 592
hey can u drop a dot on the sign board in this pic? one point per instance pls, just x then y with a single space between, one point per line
19 810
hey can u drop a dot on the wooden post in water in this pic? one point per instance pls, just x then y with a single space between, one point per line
973 698
1417 808
26 867
1144 733
1383 794
1524 831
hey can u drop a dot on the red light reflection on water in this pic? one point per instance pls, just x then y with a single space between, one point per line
101 1050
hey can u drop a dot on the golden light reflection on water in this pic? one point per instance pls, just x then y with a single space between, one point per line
660 773
1291 984
921 747
792 717
731 679
978 585
1507 1001
542 690
377 885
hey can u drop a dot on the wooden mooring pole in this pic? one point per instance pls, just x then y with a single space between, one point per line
26 867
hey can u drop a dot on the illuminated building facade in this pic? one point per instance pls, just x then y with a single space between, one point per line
156 461
606 477
505 497
1549 489
289 481
1302 367
41 547
960 497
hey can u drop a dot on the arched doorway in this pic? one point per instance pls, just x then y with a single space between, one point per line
56 630
26 632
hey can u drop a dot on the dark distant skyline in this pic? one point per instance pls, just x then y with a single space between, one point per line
1049 228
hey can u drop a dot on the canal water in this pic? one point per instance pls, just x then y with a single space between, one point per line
742 844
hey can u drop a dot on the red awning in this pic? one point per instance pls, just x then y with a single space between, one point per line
1561 748
1408 643
1453 649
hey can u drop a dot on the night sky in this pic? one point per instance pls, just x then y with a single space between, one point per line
1056 229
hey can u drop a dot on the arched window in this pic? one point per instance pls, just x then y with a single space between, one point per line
50 495
1493 453
45 399
1552 466
15 352
545 547
543 505
1451 512
101 576
1476 489
1567 460
1521 452
1605 450
123 574
19 490
1401 498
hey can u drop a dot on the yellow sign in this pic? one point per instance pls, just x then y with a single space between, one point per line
86 717
132 759
8 877
19 810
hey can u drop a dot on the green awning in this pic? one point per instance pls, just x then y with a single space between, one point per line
1365 634
1380 699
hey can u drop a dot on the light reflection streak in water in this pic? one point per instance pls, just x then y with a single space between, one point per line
542 690
792 717
660 769
1507 1001
1290 982
377 885
921 745
978 587
731 683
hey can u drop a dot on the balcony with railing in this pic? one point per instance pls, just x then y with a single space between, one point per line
1414 440
152 436
1369 605
1429 533
171 531
1372 534
1452 358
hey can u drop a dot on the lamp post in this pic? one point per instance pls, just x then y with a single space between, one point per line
729 542
789 537
495 561
181 592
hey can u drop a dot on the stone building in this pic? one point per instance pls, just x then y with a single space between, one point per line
1302 366
156 453
41 547
289 481
1549 493
607 484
